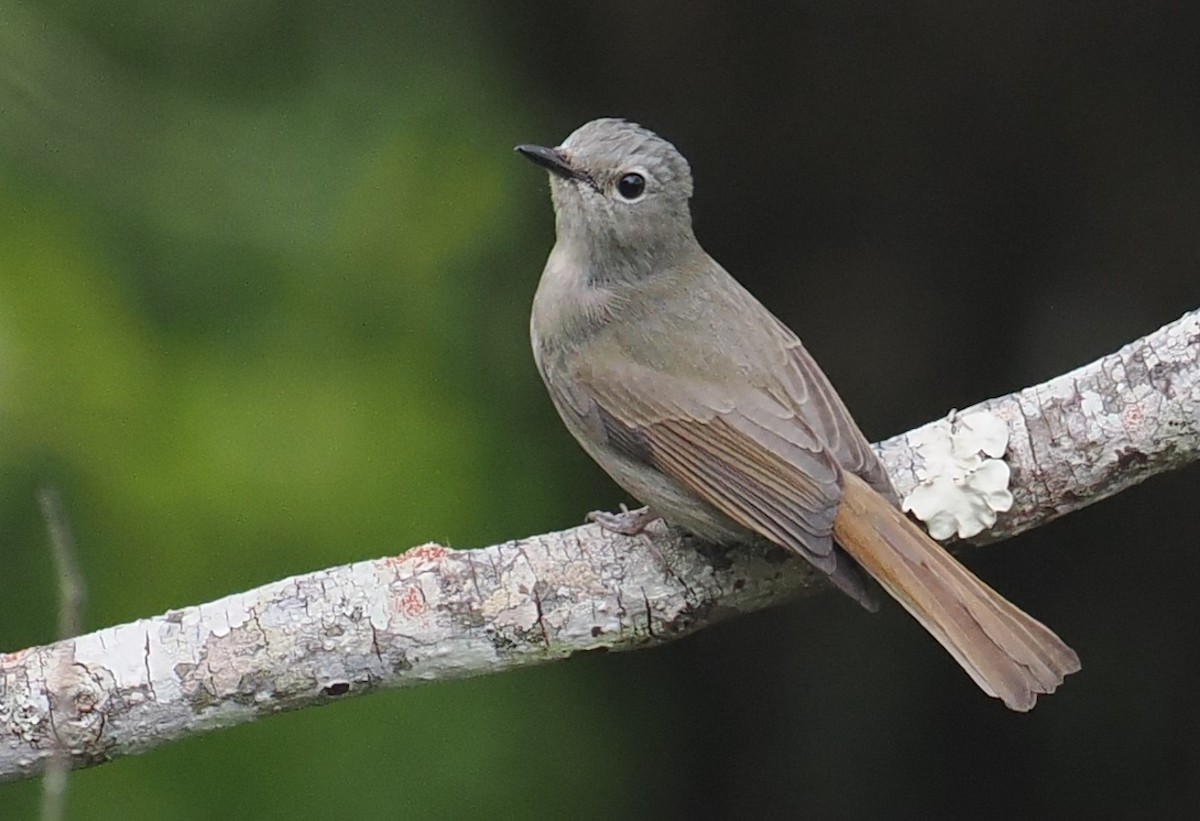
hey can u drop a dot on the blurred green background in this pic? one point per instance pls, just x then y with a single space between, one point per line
265 271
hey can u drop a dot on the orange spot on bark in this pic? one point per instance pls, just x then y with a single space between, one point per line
13 658
427 553
411 602
421 554
1133 417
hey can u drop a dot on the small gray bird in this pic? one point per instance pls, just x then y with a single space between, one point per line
707 408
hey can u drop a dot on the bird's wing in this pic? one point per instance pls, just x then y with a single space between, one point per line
750 454
799 383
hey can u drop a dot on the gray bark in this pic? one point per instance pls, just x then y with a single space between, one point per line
434 614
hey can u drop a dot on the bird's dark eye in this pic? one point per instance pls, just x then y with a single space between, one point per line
631 186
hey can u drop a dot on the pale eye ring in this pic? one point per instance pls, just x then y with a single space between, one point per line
631 186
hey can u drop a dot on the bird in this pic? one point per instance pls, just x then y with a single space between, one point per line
709 410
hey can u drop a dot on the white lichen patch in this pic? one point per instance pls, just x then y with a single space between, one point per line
963 483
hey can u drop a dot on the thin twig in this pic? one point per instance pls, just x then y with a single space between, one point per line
71 595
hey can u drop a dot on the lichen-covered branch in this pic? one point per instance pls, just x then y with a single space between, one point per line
1088 434
433 614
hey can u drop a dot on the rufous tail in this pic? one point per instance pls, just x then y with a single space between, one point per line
1008 653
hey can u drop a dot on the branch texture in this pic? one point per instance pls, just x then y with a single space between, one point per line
434 614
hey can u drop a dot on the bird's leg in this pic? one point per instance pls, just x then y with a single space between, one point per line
627 522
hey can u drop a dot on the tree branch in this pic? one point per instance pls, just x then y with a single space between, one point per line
433 614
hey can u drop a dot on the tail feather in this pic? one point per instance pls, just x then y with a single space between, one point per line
1007 652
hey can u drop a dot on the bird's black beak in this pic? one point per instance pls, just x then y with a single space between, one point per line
551 160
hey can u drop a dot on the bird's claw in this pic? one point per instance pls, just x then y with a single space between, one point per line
627 522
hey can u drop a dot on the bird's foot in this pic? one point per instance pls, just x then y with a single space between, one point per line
627 522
